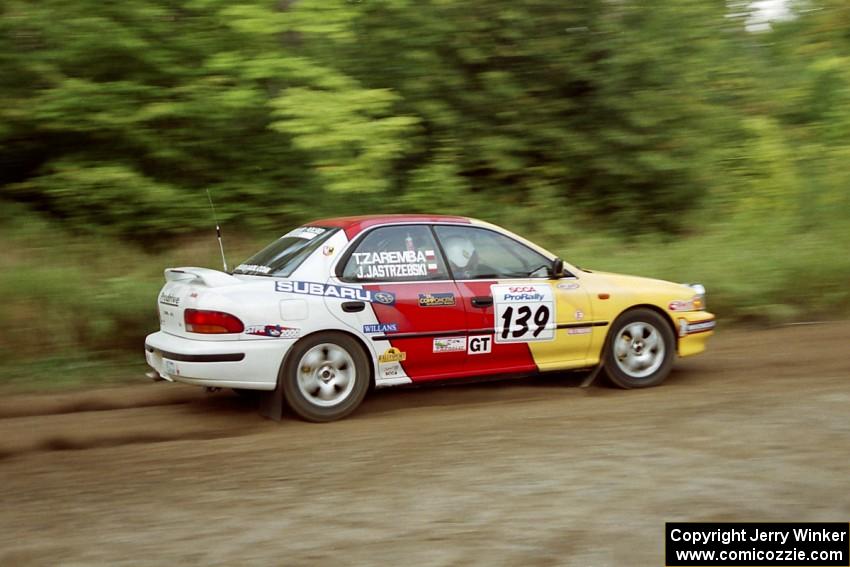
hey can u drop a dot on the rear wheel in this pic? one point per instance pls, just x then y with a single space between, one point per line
326 377
640 350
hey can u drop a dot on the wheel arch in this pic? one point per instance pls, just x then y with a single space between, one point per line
664 315
357 339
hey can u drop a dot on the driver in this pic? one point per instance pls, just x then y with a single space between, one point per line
462 256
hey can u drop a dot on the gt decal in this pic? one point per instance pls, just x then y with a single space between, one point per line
392 355
524 313
480 345
339 291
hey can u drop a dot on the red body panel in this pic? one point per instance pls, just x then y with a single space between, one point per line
504 357
439 321
355 225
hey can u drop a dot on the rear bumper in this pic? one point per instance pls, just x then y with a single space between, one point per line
248 364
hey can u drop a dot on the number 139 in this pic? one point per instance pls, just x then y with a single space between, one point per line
539 317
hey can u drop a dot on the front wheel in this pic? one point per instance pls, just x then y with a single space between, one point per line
640 349
326 376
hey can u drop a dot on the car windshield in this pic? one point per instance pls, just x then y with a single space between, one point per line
284 255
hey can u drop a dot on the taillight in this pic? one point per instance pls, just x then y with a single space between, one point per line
211 322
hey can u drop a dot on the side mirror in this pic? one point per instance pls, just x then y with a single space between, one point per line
557 269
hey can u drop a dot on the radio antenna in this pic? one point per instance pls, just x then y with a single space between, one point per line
217 231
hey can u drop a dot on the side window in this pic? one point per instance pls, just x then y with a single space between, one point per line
396 254
479 253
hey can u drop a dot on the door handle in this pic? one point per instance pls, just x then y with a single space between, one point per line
482 301
353 306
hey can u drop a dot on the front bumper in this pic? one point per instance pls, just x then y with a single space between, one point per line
248 364
694 328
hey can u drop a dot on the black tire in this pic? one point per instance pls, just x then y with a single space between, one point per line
299 376
639 361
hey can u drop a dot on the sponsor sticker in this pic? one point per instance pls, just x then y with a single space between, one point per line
480 344
381 328
699 327
276 331
305 232
338 291
436 299
253 268
524 313
568 285
579 331
168 299
392 354
450 344
579 314
391 370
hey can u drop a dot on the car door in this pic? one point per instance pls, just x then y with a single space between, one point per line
423 329
520 320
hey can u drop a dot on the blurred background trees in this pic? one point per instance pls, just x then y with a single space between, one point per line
667 138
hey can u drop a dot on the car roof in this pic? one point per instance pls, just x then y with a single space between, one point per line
355 225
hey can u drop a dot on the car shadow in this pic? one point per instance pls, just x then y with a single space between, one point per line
443 394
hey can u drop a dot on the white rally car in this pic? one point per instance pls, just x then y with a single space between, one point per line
338 306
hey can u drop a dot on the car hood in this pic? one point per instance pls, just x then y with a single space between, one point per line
637 284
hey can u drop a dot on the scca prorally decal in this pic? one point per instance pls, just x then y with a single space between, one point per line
339 291
168 299
276 331
381 328
436 299
524 313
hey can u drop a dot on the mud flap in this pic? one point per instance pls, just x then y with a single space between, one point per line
271 404
592 376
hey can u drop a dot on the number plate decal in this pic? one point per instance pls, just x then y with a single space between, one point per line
524 313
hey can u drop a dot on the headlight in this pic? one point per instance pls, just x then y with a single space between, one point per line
696 303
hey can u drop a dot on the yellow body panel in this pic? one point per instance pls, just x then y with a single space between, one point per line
597 299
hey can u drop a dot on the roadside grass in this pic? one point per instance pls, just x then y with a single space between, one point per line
77 308
72 371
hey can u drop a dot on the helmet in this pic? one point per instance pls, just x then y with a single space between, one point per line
459 250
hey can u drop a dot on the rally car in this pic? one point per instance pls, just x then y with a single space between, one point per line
338 306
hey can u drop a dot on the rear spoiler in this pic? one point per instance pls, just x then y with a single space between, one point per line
210 278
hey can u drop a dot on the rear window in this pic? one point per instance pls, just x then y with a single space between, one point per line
284 255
